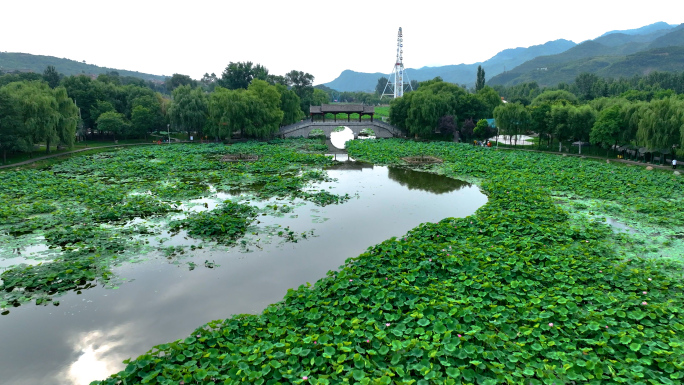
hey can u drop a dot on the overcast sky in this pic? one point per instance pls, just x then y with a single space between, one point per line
320 37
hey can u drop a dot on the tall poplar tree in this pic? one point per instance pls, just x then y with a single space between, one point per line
480 82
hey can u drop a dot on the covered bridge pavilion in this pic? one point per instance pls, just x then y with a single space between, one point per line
341 109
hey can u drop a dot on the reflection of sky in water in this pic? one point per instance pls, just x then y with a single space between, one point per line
339 138
95 360
619 226
30 250
87 336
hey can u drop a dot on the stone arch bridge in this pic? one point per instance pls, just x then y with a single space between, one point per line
302 129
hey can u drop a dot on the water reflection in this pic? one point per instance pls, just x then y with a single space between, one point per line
351 166
415 180
96 360
619 226
87 336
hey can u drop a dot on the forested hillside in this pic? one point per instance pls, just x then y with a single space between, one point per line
613 55
15 61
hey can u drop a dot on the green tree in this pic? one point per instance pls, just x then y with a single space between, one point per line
13 133
143 121
398 112
226 109
512 119
255 112
318 98
588 86
435 99
266 114
290 104
100 107
68 117
87 93
414 86
560 123
39 112
381 85
489 98
150 116
113 122
177 80
51 76
581 120
480 81
539 120
554 97
482 130
241 74
607 128
302 84
661 124
110 78
189 109
209 82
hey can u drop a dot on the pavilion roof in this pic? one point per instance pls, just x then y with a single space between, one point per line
342 109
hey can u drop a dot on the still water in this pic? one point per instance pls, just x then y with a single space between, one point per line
88 336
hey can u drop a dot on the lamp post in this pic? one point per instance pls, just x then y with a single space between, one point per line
168 132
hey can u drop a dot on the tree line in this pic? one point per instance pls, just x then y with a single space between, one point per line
51 108
646 115
642 111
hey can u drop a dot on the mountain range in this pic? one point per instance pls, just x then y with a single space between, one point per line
614 55
655 47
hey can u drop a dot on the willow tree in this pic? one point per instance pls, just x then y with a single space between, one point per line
432 101
226 112
255 112
661 124
512 119
68 117
266 114
38 112
189 109
290 104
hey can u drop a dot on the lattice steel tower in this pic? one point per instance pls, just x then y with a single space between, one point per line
396 78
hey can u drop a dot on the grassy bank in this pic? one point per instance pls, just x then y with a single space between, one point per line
533 289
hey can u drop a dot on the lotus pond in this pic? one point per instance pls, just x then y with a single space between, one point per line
136 247
535 287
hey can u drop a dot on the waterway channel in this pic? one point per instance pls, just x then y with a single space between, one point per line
88 335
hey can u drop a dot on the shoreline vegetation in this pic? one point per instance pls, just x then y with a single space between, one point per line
533 288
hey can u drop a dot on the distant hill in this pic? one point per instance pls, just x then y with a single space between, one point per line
619 38
668 59
645 30
15 61
461 74
674 38
613 55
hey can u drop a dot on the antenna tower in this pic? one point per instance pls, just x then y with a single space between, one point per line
396 78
